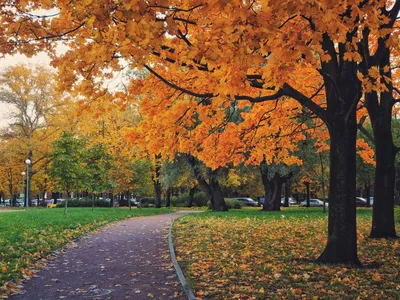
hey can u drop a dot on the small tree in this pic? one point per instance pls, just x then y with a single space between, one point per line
98 164
67 166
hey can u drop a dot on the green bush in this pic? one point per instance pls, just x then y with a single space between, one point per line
85 203
231 203
199 199
148 202
397 214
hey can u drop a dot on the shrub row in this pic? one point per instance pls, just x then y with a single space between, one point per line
85 203
397 214
199 199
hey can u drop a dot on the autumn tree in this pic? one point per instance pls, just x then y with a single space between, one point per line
31 94
287 50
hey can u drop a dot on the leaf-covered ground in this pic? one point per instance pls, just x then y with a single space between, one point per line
27 238
258 255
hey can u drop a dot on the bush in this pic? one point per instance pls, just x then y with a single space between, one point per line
85 203
397 214
199 199
148 202
231 203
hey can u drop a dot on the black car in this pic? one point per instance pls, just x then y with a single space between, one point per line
361 202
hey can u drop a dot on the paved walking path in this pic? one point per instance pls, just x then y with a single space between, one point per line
129 260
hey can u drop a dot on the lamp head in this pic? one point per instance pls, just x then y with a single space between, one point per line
28 161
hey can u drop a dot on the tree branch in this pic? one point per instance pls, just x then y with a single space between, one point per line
174 86
364 131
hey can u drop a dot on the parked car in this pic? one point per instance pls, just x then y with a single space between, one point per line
313 203
20 202
35 202
291 201
361 202
124 202
247 201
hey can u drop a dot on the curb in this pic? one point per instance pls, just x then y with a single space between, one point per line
178 269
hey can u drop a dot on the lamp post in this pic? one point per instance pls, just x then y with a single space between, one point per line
23 182
28 165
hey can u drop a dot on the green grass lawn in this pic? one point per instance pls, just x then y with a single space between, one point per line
250 254
25 237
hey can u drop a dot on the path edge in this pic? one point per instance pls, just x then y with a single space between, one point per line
181 276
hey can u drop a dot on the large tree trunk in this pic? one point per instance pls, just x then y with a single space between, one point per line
218 198
397 186
270 193
380 112
276 196
341 246
383 225
212 189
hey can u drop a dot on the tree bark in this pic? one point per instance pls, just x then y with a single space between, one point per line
66 202
380 112
168 198
383 225
343 92
157 183
191 196
212 189
218 198
272 190
287 192
341 246
128 196
397 187
157 192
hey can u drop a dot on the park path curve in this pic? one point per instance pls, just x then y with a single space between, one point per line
128 260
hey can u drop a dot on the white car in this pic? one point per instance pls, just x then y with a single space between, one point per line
313 203
246 201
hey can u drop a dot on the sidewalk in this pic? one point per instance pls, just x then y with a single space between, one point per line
129 260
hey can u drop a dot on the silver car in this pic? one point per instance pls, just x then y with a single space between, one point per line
313 203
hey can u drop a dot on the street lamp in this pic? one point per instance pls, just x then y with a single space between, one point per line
28 164
23 179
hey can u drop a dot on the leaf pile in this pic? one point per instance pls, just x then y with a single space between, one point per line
254 256
27 238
